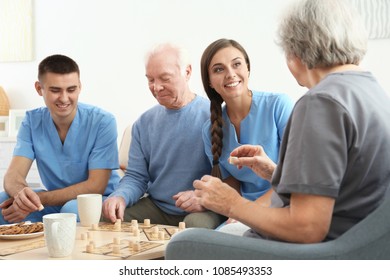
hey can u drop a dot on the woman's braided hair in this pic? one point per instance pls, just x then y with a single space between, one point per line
216 99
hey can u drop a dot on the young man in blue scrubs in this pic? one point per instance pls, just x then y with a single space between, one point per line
74 145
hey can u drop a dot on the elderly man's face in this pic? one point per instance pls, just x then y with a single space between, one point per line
166 81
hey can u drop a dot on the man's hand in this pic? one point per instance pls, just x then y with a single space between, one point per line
16 209
114 208
11 213
188 202
27 200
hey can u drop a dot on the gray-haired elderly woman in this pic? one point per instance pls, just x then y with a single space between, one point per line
334 158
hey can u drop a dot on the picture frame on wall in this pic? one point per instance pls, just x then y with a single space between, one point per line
16 117
4 120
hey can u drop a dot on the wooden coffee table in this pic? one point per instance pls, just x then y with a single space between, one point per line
103 243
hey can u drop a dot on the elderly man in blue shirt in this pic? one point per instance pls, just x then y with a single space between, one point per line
166 152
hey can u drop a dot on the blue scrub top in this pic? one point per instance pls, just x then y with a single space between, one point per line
91 143
264 125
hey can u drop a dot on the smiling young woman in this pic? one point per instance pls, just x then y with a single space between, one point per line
247 117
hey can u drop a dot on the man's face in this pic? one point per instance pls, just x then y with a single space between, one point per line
60 93
165 80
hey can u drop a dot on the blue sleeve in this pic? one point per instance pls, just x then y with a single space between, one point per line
105 152
24 145
135 181
283 108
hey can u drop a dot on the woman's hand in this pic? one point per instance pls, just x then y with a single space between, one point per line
255 158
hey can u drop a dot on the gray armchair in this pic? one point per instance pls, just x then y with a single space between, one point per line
369 239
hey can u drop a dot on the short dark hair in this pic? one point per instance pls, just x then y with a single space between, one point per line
59 64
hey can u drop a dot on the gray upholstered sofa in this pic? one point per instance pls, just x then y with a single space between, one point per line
370 239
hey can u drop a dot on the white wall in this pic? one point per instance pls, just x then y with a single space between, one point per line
108 39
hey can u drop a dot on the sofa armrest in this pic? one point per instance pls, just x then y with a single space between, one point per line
369 239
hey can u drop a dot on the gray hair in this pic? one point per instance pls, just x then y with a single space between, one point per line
323 33
183 54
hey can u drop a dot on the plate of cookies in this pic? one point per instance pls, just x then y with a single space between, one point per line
23 230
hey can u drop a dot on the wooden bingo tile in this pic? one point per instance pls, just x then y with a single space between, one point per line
157 234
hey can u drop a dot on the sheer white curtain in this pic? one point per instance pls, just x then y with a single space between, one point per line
376 14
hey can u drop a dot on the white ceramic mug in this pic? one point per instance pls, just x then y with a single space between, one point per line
60 233
90 209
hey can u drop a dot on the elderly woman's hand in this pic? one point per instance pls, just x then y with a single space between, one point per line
255 158
216 195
